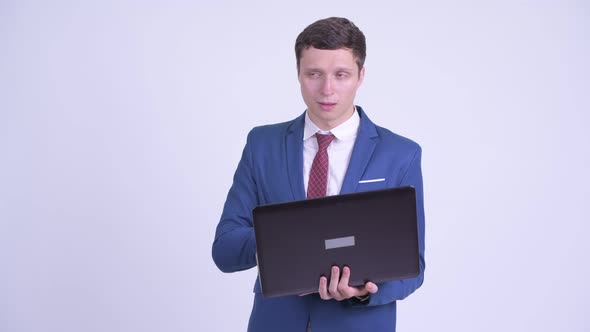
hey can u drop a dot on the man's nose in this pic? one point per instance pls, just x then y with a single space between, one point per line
327 86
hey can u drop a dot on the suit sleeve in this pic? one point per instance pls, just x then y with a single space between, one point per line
234 247
398 290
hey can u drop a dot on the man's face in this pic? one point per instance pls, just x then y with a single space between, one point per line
329 80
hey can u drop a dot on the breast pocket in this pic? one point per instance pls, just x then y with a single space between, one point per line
371 184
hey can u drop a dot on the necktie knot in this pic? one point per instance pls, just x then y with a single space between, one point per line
324 141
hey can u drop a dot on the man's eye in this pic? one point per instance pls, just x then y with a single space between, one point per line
342 75
314 74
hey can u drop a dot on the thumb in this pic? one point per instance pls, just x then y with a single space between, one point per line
371 287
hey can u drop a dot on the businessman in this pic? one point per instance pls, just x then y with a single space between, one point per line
332 148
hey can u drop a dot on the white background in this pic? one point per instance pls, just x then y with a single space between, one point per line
122 122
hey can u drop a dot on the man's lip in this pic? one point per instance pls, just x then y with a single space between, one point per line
327 106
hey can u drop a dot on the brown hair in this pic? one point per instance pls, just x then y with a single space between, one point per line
331 34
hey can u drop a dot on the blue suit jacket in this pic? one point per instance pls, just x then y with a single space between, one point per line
271 171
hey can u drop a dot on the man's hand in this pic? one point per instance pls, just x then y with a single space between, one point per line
339 290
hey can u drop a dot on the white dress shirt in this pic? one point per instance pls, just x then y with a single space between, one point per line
339 151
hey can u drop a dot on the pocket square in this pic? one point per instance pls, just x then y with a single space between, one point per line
372 180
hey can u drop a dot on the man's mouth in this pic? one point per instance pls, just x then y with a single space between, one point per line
327 106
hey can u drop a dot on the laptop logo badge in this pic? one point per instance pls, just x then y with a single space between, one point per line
340 242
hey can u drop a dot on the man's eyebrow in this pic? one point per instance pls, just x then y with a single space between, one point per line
311 69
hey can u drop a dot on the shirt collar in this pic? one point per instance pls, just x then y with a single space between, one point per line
347 129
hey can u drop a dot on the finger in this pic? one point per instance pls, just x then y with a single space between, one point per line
343 288
333 287
323 289
371 287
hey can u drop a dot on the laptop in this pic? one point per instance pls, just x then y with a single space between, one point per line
374 233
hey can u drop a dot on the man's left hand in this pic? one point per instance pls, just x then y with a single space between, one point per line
339 290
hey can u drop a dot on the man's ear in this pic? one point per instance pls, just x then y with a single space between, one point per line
361 75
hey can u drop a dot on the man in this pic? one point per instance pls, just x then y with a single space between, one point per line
279 164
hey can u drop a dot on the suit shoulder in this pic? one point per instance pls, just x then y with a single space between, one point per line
262 133
400 142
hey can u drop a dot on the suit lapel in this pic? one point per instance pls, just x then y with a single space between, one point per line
294 151
364 147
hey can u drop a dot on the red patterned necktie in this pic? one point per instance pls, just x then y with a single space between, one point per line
318 176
